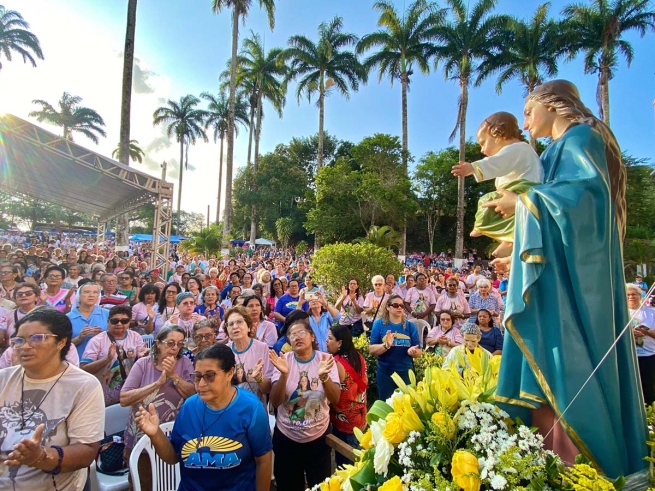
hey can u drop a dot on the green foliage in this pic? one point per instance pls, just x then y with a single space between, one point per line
207 241
15 37
302 247
283 229
335 264
384 237
135 151
361 343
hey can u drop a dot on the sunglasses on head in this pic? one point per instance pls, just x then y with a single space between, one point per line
123 321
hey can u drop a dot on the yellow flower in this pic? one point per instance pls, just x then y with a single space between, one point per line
393 484
466 471
394 432
445 424
333 484
365 439
411 421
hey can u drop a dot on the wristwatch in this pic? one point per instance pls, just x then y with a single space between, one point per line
176 381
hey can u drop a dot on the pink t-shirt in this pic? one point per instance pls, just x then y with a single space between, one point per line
305 415
419 300
372 301
267 332
453 334
444 302
349 314
98 347
246 361
58 301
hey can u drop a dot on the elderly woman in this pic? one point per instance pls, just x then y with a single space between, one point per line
221 413
483 299
264 330
48 443
643 324
444 336
161 381
375 301
321 316
492 337
111 354
26 297
453 301
87 317
185 317
210 306
351 303
145 311
204 334
167 304
253 369
193 286
305 381
54 295
472 335
395 341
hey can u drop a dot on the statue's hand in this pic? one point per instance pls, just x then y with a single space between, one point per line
505 206
501 265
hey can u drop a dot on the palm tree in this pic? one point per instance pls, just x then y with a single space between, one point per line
240 9
217 113
266 73
71 117
185 122
16 38
385 237
323 65
462 43
124 151
403 42
599 28
134 151
530 53
207 241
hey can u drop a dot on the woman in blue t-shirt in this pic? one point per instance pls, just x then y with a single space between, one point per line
395 341
492 337
221 437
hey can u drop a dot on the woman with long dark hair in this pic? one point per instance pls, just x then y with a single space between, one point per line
350 411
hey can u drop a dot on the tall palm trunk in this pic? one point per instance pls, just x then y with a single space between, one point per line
530 86
459 239
604 92
251 129
179 189
122 221
229 164
404 82
321 122
255 167
220 183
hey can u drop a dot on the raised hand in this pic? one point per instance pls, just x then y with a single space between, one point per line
148 421
257 370
326 364
112 351
175 316
388 337
462 169
28 451
279 362
150 311
168 366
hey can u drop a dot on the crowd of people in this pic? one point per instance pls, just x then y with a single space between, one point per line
223 346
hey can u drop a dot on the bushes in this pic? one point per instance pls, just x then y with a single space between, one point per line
335 264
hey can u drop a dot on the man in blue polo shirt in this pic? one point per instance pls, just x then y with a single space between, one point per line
287 303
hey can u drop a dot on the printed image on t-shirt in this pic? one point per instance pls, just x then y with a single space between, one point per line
421 303
304 405
400 339
211 452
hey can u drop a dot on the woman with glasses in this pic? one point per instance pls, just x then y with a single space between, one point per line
125 279
8 280
162 381
395 341
444 336
167 304
87 317
111 354
264 330
26 298
185 317
54 295
221 439
204 335
305 382
375 301
145 311
53 412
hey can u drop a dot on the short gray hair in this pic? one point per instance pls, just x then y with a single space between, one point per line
377 277
633 287
483 282
469 328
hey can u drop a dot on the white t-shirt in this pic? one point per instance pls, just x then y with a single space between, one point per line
645 316
73 412
511 163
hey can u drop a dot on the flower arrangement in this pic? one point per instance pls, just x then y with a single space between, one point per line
445 434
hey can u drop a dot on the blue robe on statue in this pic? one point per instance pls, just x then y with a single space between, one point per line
566 304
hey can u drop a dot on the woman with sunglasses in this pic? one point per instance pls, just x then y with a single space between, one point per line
111 354
204 334
167 304
222 424
53 412
162 380
444 336
395 341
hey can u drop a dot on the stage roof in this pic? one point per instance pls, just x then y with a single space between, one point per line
42 165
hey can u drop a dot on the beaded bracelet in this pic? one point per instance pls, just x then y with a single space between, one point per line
56 470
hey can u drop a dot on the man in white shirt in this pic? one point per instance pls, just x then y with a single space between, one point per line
472 279
643 324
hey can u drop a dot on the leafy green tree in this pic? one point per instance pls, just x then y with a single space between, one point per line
383 236
71 117
322 65
600 26
216 118
240 10
15 37
185 122
206 241
639 195
303 151
335 264
463 43
283 229
135 151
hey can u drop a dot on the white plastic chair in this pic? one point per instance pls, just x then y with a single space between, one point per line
422 327
164 477
148 340
116 418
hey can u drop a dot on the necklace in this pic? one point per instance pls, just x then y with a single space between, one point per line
23 421
204 412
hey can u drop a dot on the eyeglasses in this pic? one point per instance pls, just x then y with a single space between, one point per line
5 273
238 322
378 284
396 305
24 294
629 294
297 335
55 277
33 340
208 377
445 319
173 344
123 321
204 337
125 278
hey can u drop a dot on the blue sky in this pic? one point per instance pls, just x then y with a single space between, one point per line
182 47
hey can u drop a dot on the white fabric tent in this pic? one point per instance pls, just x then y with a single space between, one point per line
264 242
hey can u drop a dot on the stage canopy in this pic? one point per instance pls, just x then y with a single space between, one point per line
45 166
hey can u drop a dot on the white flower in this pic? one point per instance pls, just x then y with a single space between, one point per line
383 453
498 482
